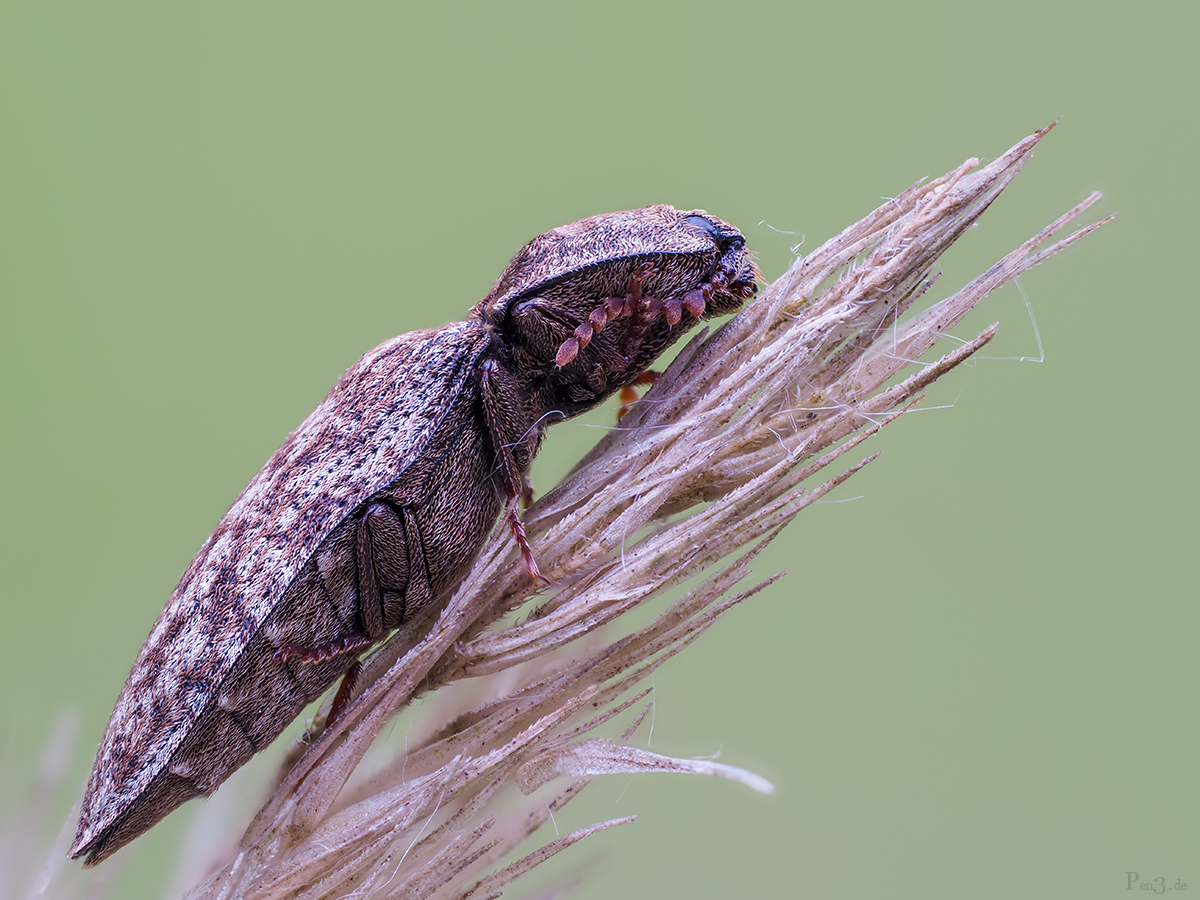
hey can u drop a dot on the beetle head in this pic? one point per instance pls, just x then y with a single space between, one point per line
587 307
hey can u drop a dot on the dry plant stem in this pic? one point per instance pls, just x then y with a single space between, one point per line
724 443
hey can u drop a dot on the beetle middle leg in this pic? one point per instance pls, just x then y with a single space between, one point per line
383 569
382 581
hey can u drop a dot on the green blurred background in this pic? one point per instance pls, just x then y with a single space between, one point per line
979 678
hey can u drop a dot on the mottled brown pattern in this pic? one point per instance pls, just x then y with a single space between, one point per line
385 493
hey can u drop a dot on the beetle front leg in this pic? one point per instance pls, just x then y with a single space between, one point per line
509 435
518 529
634 305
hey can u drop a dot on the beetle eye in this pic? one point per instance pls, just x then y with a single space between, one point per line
702 223
722 234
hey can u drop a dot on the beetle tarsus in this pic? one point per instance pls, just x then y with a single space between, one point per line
518 530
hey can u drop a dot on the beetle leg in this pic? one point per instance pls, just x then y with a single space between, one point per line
324 652
639 308
633 305
342 698
635 282
518 530
629 396
383 569
369 594
502 421
382 566
727 278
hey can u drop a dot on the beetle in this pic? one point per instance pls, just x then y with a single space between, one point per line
379 501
